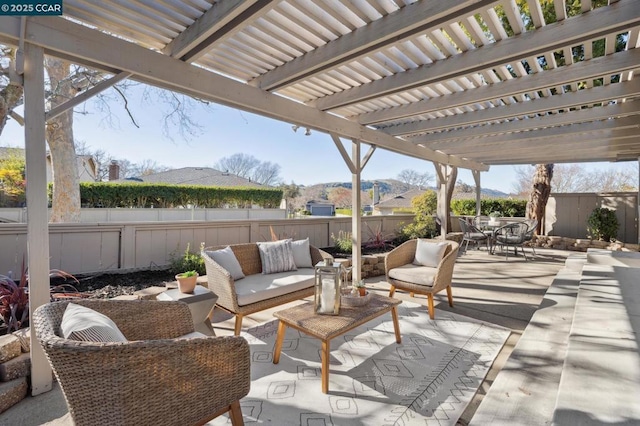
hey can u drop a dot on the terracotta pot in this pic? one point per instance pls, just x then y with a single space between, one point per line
187 284
362 291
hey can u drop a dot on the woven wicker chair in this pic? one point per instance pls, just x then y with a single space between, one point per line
153 379
404 255
222 284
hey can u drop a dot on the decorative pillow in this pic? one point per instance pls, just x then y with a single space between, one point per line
227 259
301 254
428 253
82 323
277 256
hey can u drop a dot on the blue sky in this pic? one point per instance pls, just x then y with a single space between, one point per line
303 159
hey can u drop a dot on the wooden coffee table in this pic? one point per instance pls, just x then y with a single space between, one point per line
326 327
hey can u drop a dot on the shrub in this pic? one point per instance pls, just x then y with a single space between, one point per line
14 297
603 224
377 240
342 242
425 228
188 262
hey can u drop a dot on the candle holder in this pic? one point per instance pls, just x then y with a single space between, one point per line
328 279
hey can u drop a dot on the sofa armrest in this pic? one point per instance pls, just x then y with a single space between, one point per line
221 283
444 276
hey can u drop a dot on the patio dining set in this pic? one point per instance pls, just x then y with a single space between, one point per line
497 234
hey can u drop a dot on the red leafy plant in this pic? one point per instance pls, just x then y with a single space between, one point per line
14 297
377 239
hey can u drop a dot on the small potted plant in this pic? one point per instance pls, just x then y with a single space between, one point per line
358 286
493 218
187 281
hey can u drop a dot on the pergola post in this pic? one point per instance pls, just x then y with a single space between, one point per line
356 218
442 211
355 165
476 178
638 203
37 212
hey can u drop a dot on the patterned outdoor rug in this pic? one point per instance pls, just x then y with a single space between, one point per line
427 379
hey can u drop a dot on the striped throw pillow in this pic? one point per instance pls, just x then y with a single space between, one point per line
277 256
82 323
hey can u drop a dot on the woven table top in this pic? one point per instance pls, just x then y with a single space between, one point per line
325 327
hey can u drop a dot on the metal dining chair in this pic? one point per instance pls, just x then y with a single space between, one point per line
474 235
511 235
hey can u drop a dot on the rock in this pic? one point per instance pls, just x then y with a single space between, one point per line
10 347
12 392
16 368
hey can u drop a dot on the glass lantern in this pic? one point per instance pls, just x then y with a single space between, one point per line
328 279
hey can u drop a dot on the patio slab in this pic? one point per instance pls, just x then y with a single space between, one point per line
485 287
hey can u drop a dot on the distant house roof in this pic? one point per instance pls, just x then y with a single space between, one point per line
194 176
400 201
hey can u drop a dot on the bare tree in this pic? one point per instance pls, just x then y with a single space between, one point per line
578 178
412 178
249 167
540 193
266 173
11 89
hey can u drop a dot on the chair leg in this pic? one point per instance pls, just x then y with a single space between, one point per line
236 414
238 327
392 290
430 305
450 296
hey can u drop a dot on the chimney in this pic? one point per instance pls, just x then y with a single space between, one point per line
114 170
376 193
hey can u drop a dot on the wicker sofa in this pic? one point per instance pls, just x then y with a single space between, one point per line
256 291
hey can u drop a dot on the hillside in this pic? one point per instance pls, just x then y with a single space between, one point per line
388 188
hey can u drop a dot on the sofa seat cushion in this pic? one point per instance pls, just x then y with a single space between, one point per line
415 274
258 287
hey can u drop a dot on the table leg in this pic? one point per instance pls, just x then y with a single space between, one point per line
282 330
324 371
396 326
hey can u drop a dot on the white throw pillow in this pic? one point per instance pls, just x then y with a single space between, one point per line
301 254
227 259
428 253
276 256
82 323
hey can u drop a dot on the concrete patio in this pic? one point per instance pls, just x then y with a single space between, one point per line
488 288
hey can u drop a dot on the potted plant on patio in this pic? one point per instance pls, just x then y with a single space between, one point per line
187 281
359 287
493 218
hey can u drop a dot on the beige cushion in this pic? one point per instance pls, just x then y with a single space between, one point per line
257 287
276 256
422 275
429 253
82 323
301 253
227 259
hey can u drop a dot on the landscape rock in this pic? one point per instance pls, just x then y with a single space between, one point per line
12 392
10 347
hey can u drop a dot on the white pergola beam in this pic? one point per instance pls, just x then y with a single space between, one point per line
413 19
222 20
588 26
627 89
471 147
443 139
586 70
83 45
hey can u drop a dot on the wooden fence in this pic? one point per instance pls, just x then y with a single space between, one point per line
86 248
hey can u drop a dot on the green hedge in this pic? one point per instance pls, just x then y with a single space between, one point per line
145 195
506 207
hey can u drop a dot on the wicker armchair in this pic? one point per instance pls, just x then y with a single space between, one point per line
443 274
153 378
223 285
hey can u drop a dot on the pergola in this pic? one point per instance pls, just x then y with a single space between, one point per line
460 83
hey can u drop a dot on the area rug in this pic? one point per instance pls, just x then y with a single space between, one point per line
428 379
